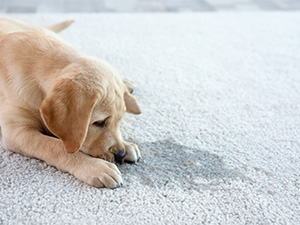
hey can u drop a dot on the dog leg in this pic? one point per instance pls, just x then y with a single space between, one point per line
30 142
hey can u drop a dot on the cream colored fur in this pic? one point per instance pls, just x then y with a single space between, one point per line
61 106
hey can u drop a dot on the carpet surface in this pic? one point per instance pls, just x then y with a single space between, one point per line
219 133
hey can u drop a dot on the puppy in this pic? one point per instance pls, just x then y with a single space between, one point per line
61 106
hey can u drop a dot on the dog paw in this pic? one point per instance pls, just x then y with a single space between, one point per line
133 154
129 85
99 173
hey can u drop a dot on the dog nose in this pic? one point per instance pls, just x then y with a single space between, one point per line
119 155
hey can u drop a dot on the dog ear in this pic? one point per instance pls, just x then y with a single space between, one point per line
66 112
131 103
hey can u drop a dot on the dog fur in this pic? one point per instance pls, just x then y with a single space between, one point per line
61 106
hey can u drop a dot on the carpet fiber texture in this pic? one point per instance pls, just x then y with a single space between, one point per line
219 133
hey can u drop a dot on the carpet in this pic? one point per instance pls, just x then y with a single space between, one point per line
219 133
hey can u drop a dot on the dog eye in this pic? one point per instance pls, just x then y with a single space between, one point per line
100 123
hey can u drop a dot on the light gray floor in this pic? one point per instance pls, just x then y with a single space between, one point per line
219 132
44 6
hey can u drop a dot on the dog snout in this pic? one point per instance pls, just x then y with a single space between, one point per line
119 155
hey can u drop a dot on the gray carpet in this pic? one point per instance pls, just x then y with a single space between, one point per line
219 133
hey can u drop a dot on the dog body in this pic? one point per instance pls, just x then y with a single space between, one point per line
61 106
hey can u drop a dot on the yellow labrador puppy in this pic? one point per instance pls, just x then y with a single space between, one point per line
61 106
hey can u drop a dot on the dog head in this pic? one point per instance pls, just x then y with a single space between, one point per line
84 108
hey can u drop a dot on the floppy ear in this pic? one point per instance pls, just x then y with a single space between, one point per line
66 112
131 104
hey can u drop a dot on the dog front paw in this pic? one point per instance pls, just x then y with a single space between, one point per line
98 173
133 153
